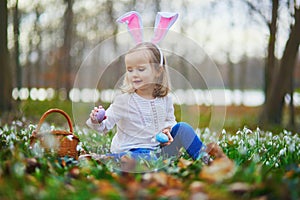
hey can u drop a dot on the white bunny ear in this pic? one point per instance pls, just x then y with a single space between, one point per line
134 25
163 22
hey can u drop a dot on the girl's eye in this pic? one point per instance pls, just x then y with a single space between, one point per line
141 69
129 70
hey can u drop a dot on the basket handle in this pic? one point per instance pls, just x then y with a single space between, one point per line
52 111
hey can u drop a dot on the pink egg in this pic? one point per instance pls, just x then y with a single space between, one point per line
100 114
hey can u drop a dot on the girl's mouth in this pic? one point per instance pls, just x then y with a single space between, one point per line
136 82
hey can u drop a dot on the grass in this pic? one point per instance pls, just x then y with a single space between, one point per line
267 167
197 116
266 162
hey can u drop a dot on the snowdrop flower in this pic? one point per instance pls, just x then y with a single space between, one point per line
270 134
11 146
70 137
19 123
292 147
79 147
276 165
270 143
276 137
252 142
247 131
256 158
241 143
242 150
223 132
224 144
282 152
267 163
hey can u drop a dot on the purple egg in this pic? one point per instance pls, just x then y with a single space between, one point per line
100 114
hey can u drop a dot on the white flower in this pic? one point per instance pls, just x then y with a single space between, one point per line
242 150
256 158
241 143
223 132
282 152
271 143
247 131
292 147
270 134
78 147
70 137
252 142
276 165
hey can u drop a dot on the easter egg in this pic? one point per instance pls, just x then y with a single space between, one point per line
100 115
161 137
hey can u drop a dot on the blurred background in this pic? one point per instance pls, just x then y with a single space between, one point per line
254 45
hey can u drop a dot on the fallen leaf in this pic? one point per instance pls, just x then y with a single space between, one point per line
171 193
183 163
197 186
240 187
74 172
161 179
220 169
289 174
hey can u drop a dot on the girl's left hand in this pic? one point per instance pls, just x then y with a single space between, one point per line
167 132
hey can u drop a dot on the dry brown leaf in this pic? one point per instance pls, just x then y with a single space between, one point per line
161 179
240 187
197 186
183 163
105 187
171 193
289 174
220 169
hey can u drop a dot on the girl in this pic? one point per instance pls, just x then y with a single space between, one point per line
145 108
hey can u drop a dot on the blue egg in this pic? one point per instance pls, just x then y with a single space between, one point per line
161 137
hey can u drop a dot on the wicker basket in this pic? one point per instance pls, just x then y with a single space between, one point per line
61 142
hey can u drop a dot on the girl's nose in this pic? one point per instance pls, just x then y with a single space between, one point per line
135 73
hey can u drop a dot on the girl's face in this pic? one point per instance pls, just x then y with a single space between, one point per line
140 72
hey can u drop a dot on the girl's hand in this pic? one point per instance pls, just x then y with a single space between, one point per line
167 132
94 113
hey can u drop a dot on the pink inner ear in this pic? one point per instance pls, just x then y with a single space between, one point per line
162 29
132 21
164 23
133 24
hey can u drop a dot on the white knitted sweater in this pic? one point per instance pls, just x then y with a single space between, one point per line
137 119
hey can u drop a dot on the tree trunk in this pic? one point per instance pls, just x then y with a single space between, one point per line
5 75
281 84
18 68
68 34
270 68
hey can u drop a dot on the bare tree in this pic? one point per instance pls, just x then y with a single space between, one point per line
18 67
278 79
68 35
5 75
282 81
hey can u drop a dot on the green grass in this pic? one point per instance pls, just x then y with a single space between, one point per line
267 163
198 117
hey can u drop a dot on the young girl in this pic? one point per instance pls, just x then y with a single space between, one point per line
145 108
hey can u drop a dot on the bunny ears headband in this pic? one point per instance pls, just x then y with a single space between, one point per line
163 22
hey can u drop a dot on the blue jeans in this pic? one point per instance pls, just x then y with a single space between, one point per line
183 135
